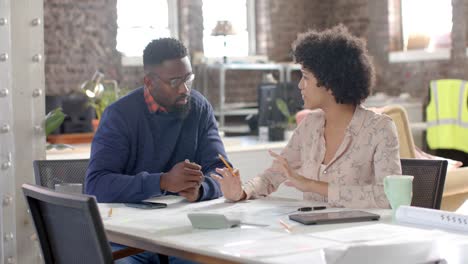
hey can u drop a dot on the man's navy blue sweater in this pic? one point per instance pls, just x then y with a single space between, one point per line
133 147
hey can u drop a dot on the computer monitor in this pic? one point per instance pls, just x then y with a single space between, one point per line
292 95
268 112
78 113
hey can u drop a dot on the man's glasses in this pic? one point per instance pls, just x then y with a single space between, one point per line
175 83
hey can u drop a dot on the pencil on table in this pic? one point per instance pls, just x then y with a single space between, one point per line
286 226
226 164
109 214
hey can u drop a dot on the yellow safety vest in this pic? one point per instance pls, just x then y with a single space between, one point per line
447 115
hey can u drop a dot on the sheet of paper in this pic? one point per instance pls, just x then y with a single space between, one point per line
315 256
275 246
408 249
463 209
367 233
454 247
221 237
146 226
134 219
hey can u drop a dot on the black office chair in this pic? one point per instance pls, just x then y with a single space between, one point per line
69 227
50 172
428 182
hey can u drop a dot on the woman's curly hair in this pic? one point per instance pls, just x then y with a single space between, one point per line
339 62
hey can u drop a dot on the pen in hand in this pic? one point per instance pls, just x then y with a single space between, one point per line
227 164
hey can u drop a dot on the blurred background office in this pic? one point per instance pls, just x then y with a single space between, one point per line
83 55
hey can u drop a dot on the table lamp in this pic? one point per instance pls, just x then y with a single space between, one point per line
94 88
97 94
223 28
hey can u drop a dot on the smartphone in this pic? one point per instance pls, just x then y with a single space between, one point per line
146 205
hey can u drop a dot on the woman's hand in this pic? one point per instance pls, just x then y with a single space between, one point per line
294 179
231 185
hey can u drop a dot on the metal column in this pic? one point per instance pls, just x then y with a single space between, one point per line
21 123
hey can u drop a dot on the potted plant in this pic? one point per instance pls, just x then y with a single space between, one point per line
290 123
101 94
99 104
52 121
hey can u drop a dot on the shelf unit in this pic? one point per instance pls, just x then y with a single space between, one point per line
233 109
289 68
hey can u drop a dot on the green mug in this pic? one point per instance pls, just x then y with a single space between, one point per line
399 190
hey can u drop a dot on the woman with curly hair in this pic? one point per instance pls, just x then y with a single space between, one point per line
341 151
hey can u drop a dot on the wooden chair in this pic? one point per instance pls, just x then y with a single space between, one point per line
405 137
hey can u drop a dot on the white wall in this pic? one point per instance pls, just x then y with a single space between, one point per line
252 162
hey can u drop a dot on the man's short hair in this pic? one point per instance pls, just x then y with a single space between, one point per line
339 61
162 49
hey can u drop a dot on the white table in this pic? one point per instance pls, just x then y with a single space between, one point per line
168 231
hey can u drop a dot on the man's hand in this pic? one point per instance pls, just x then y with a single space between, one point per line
191 194
184 175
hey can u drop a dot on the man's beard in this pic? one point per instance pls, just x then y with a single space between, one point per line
181 110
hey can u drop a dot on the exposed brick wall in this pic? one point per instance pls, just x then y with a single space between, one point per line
394 28
466 26
190 33
414 77
279 22
80 37
191 24
369 19
131 77
459 30
354 14
240 86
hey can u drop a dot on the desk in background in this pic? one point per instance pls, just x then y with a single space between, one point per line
247 154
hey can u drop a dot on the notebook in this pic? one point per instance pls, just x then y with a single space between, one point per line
432 218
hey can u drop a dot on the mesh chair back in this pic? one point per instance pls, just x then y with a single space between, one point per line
428 182
69 226
50 172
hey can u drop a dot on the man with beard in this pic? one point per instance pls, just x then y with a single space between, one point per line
160 139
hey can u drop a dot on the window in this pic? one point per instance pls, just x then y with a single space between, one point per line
239 14
140 21
420 27
427 24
